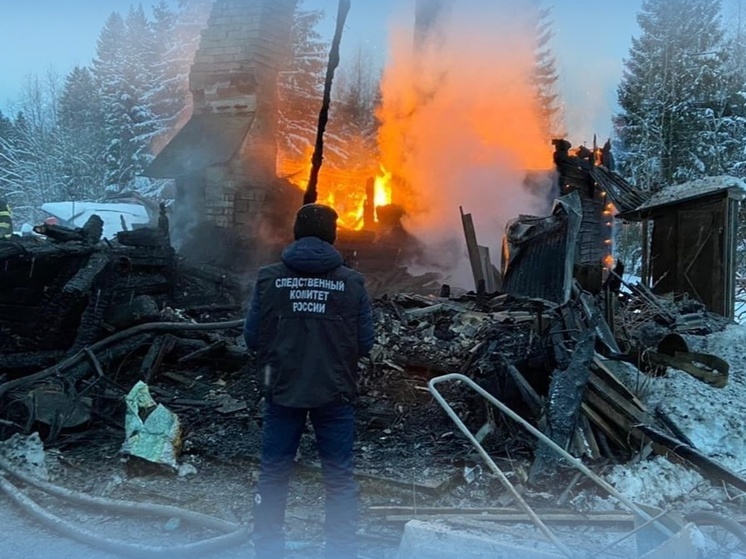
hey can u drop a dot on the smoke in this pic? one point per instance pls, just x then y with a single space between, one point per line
461 127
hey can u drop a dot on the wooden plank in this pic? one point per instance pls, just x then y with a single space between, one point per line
472 247
615 425
590 438
609 394
529 395
600 421
603 372
485 262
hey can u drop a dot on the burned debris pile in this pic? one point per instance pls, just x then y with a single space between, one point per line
85 320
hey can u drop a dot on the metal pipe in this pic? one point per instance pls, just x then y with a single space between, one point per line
494 467
576 463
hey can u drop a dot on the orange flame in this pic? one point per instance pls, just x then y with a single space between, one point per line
460 125
344 190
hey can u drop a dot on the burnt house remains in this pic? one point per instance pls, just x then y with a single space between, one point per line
543 256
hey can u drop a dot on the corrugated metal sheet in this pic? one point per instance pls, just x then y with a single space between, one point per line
541 252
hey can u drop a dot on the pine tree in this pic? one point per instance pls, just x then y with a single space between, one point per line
673 125
80 141
177 34
143 87
545 77
124 71
735 16
301 86
110 72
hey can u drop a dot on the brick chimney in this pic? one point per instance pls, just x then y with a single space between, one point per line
224 158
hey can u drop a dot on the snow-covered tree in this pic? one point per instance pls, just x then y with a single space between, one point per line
545 75
30 172
301 85
675 123
353 126
80 139
124 71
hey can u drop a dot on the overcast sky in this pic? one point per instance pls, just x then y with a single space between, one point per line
591 43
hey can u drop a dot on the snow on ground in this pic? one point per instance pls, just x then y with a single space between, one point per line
714 419
659 482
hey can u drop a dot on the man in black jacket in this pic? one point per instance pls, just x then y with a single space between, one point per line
310 321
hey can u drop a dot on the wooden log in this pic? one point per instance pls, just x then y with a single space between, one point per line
93 229
143 237
82 282
60 233
99 299
42 249
709 469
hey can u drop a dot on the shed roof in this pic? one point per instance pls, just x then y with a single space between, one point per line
206 140
688 191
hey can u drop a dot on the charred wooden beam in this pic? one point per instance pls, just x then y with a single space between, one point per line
154 358
317 160
566 392
706 466
60 233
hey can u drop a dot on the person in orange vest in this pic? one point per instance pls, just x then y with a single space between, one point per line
6 221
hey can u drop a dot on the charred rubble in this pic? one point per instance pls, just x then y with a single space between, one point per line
83 320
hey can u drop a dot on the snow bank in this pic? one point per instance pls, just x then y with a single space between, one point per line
714 419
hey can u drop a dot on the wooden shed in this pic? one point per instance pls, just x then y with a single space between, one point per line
691 235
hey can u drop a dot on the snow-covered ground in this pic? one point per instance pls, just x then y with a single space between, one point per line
714 419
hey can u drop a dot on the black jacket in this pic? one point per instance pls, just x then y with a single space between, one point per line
310 320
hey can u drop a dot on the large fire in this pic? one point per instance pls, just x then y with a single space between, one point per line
344 190
460 125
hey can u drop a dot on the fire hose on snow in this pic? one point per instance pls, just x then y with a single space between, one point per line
232 534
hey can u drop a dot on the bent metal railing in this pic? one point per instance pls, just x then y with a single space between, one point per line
645 517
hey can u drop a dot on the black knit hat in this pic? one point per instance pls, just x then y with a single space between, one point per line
316 220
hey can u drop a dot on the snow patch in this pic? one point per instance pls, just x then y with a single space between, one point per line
26 454
714 419
657 482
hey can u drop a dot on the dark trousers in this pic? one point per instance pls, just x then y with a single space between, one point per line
334 426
